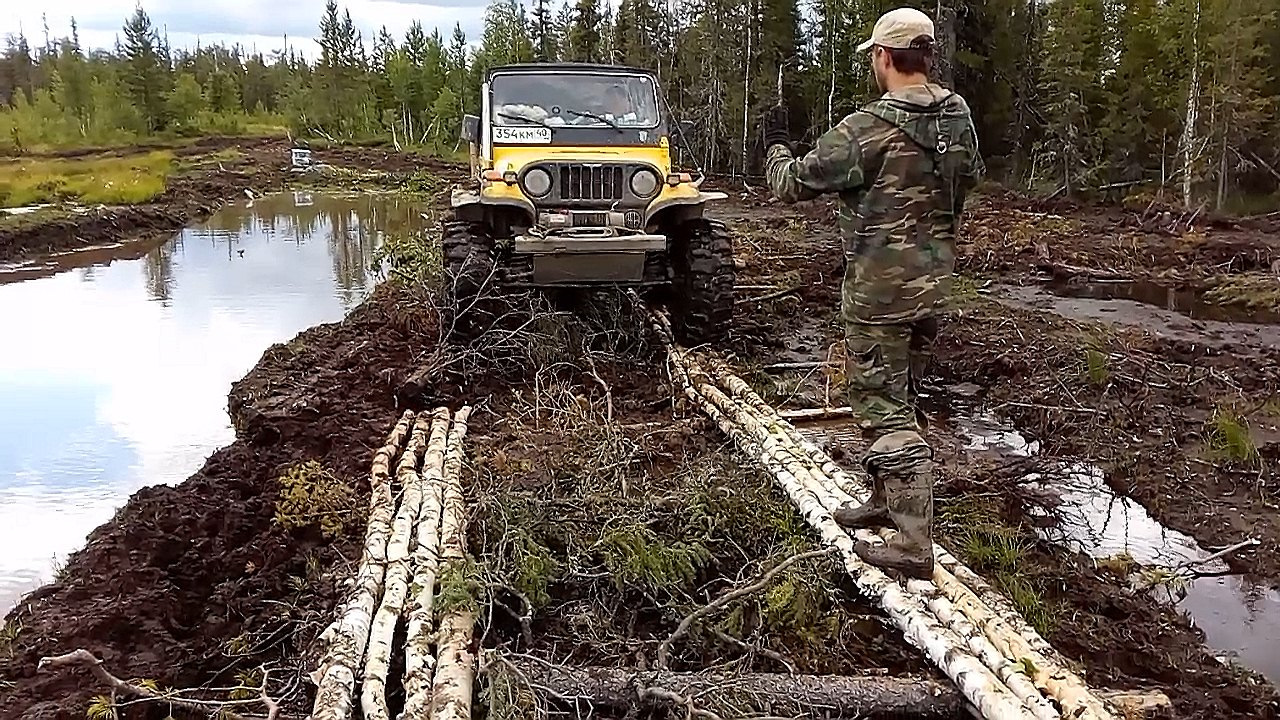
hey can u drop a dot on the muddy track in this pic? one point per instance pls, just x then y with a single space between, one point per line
193 584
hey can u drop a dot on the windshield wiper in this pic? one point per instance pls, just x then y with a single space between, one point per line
526 118
594 116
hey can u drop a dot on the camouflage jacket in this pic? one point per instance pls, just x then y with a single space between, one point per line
902 166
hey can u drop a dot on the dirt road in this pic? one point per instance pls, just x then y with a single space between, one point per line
607 512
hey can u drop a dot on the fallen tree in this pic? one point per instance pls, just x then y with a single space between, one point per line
419 661
348 636
455 661
985 654
826 696
373 696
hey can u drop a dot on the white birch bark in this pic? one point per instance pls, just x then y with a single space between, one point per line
349 633
419 661
373 696
1193 101
1015 640
455 661
947 651
808 459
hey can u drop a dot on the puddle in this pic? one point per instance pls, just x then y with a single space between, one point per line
24 210
1240 619
1184 302
1157 319
115 373
1094 520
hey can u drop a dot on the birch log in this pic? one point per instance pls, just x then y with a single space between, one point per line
455 662
373 696
1004 628
419 662
349 633
784 451
993 699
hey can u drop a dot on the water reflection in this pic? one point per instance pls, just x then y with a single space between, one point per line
115 375
1240 619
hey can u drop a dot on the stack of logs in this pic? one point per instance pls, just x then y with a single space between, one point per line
407 546
968 630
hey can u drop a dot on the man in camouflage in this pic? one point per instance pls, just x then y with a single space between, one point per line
902 166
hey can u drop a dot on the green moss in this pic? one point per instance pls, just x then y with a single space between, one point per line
1255 291
533 567
964 291
458 587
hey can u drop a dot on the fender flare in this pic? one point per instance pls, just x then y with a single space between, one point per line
701 198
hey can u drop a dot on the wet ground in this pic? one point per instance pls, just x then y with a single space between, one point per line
196 582
121 375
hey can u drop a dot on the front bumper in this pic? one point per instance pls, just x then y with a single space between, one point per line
592 257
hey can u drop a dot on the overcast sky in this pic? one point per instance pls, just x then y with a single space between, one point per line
249 22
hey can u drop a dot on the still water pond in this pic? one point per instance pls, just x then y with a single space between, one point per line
114 376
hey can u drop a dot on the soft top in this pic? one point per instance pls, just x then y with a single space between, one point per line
599 68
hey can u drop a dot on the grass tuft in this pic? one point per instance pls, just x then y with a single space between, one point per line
1097 366
106 180
1229 437
992 547
9 632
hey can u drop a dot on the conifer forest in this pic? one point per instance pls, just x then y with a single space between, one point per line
1076 96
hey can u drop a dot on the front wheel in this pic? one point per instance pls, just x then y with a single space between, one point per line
468 259
702 298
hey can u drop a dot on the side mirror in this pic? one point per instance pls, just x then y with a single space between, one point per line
686 126
471 128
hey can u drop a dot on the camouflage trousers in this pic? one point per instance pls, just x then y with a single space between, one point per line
883 368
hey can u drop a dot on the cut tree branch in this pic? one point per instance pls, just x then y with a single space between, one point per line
664 650
84 658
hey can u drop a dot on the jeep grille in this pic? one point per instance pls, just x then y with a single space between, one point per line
591 182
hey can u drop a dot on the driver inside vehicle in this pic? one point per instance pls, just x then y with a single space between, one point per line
617 105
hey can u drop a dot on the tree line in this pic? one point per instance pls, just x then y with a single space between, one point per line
1070 96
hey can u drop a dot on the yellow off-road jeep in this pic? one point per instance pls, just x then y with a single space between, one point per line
572 185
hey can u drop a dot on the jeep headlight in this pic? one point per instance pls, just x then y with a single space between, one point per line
644 182
537 182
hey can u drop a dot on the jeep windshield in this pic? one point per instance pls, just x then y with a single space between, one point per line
574 99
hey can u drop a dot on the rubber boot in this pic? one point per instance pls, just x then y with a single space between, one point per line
874 513
902 461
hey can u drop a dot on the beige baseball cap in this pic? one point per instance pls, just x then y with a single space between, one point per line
897 28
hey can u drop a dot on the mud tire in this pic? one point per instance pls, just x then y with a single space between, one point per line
468 259
702 287
470 278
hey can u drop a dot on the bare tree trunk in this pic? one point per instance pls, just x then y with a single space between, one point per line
1189 124
746 82
944 20
831 90
732 695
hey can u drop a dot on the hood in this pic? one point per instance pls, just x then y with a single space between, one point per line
930 115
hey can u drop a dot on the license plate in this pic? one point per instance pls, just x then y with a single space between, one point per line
522 135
